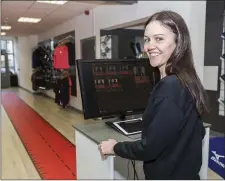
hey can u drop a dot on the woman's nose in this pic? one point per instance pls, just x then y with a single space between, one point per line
149 46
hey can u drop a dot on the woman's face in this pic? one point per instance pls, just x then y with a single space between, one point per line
159 43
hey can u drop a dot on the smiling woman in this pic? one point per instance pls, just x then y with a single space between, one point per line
171 143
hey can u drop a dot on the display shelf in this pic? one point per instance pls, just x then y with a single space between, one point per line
106 46
221 98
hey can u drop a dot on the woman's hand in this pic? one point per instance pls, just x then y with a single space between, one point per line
106 147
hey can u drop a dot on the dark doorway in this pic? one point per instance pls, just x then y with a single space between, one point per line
88 48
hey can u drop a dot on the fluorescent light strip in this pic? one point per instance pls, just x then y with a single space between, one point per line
5 27
53 2
29 20
3 33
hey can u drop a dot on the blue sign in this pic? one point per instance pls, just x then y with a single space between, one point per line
216 155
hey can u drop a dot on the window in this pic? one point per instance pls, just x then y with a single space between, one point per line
7 45
2 64
3 61
11 60
3 44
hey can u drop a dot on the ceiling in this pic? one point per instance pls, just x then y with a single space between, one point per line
51 14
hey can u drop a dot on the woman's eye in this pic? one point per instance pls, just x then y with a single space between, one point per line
158 39
146 40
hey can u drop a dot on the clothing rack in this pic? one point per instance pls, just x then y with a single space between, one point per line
42 68
66 38
64 45
36 47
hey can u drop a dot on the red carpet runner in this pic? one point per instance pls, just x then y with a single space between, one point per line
52 154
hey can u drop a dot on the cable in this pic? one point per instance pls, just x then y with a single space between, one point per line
135 172
134 169
128 170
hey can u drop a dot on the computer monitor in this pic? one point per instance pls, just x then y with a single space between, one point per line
114 87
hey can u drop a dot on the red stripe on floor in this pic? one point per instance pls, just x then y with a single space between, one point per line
52 154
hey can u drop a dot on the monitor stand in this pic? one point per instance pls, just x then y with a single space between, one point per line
127 125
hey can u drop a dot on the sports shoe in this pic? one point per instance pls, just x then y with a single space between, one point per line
223 36
222 57
221 101
222 78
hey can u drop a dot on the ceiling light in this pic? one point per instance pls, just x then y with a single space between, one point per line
29 20
3 33
5 27
53 2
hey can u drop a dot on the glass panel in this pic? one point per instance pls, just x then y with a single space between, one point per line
3 64
2 57
2 61
9 46
10 60
3 44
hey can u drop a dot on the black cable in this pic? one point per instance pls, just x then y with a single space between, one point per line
128 170
135 172
133 169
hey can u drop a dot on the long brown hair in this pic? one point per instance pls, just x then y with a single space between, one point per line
181 61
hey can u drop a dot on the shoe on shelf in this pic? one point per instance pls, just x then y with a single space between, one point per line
223 36
222 57
221 101
222 78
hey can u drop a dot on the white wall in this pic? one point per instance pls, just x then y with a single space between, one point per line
197 19
23 57
115 16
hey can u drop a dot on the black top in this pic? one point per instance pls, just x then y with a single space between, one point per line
71 53
171 144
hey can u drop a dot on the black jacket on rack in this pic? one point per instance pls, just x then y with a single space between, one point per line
38 56
62 91
38 80
43 68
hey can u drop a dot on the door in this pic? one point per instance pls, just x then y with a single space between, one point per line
88 48
5 75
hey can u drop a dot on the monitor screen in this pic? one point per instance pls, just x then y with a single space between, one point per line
112 87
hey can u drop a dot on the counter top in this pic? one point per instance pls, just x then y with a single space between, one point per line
99 132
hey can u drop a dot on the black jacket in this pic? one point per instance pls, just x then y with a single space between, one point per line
171 144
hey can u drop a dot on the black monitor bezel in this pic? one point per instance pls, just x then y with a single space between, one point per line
82 89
